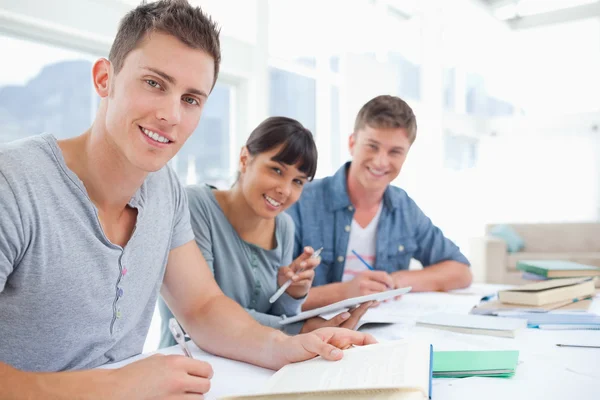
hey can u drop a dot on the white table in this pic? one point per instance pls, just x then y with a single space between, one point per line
545 371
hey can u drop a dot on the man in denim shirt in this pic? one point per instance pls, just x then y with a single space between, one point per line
369 229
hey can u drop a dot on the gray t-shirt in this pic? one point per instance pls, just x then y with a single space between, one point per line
69 298
245 272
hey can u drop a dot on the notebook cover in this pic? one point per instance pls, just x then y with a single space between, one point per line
476 361
541 267
430 369
547 285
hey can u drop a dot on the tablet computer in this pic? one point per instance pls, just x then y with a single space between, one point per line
348 303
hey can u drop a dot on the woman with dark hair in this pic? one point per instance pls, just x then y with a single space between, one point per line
247 239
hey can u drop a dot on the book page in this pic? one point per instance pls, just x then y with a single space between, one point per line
397 364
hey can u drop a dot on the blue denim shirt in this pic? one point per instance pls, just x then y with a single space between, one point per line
323 217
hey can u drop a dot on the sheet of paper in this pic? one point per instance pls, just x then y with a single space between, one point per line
482 289
473 321
248 378
414 305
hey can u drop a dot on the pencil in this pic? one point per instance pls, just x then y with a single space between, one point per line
578 345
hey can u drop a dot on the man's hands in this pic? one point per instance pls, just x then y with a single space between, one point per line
348 319
325 342
302 273
368 282
162 377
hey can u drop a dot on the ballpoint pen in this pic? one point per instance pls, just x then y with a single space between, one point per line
363 261
578 345
366 264
286 285
177 333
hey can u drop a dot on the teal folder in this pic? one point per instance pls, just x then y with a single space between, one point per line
462 364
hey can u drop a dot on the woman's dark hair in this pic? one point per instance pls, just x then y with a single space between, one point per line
298 143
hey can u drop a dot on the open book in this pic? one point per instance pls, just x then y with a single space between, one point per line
396 370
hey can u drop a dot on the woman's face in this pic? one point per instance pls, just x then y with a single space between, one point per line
269 187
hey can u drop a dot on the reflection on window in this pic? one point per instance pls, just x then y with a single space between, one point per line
409 81
499 108
44 89
460 152
476 101
449 84
204 158
336 136
293 96
334 63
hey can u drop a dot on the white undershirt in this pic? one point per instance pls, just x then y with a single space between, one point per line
364 242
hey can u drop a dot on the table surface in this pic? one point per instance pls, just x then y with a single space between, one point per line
545 371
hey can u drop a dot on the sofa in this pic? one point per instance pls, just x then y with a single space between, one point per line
576 242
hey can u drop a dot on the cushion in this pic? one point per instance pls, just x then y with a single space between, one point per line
514 242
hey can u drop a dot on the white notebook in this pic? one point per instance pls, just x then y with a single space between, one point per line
475 324
346 304
395 370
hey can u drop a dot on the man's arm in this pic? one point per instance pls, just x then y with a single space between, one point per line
215 323
324 295
440 277
367 282
220 326
445 267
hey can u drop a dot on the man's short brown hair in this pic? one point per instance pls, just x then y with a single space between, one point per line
387 112
174 17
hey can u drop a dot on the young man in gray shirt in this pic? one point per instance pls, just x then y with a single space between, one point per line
91 227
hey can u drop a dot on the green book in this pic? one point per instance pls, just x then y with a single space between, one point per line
557 268
462 364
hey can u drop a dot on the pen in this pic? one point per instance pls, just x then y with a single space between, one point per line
177 333
578 345
363 261
286 285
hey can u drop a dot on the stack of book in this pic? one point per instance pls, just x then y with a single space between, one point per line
548 292
537 303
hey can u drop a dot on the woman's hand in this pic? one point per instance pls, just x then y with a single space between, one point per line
347 319
301 272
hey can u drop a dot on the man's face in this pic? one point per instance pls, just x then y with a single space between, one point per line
377 156
154 103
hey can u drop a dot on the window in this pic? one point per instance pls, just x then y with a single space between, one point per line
293 96
44 89
449 87
338 145
476 97
409 76
204 158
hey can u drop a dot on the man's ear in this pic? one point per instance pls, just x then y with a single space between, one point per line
244 159
101 72
352 143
